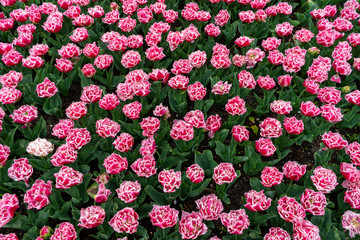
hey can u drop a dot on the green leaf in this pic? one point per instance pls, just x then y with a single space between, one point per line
75 212
20 222
205 161
49 174
197 189
86 153
39 130
252 165
239 159
83 187
222 194
242 28
256 184
334 234
262 30
32 233
20 146
172 161
53 42
255 129
323 222
159 198
74 193
304 137
142 232
301 17
9 141
163 156
144 210
55 199
177 100
63 214
19 185
222 151
264 102
42 218
296 191
294 23
207 105
351 118
84 169
341 203
39 164
323 157
53 105
282 154
219 136
65 84
161 233
264 218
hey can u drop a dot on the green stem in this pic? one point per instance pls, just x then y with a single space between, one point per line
58 39
354 113
4 189
287 190
303 91
10 107
163 231
303 5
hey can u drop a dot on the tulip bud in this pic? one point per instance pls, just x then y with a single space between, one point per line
314 51
345 89
46 232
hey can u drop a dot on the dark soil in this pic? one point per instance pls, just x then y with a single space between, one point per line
303 154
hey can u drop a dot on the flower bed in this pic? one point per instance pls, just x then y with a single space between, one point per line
145 119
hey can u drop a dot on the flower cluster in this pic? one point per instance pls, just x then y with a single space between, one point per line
137 109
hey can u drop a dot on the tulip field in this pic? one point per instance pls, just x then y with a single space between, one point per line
170 120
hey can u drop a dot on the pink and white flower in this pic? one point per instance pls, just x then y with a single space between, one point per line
124 142
20 170
271 176
276 233
65 229
314 202
236 221
114 164
91 217
145 167
325 180
195 173
290 210
170 180
210 207
128 191
163 216
68 177
265 147
224 173
257 201
125 220
293 170
191 225
40 147
350 222
107 128
182 130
